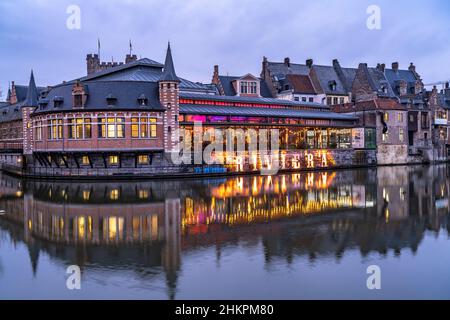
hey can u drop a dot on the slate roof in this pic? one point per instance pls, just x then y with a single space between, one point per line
169 70
255 100
395 76
127 94
21 91
327 74
444 99
143 70
263 112
10 112
32 94
280 69
379 82
227 85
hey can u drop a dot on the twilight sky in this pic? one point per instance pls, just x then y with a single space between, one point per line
235 34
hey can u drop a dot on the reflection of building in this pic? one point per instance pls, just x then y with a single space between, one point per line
149 226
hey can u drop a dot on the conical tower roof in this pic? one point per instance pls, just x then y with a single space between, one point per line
32 93
169 70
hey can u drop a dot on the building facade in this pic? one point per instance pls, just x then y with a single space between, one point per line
139 118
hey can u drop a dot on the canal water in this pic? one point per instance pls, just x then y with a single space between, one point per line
291 236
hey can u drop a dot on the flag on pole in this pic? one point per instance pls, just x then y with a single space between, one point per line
98 47
131 47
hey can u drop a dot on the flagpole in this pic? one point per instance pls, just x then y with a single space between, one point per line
98 48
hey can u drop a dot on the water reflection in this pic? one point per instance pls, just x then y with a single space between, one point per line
148 227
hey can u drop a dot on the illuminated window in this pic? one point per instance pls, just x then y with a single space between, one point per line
80 128
401 135
385 137
400 117
111 127
85 160
386 116
55 129
143 127
38 131
143 159
113 160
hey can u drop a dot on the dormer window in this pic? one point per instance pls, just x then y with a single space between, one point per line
249 87
111 100
43 103
384 89
58 101
332 85
142 100
78 101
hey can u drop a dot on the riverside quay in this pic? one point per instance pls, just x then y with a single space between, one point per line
130 119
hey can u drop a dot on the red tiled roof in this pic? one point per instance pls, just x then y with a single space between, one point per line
301 83
382 104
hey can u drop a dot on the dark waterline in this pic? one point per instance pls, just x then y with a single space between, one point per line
292 236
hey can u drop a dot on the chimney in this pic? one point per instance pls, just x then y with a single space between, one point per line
287 61
130 58
309 63
447 85
215 78
264 68
412 67
395 66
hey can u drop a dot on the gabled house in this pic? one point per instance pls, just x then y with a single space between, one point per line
381 116
408 88
331 83
439 106
242 86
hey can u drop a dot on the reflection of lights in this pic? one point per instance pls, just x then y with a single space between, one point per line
402 194
19 193
387 215
81 226
309 160
86 195
324 159
310 179
143 194
296 161
2 212
283 161
385 195
30 224
114 194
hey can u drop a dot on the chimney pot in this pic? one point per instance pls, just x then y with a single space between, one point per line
395 66
287 61
309 63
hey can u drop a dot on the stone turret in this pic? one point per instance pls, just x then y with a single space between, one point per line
28 106
169 98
